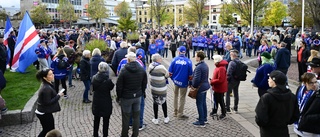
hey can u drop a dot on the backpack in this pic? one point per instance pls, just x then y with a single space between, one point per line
241 71
72 58
62 64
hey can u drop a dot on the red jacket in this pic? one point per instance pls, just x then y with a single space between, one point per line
219 81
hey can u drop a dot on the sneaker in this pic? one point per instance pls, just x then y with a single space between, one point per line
130 126
235 110
142 127
166 120
87 101
197 124
222 116
155 121
71 86
4 110
206 121
183 117
228 110
66 96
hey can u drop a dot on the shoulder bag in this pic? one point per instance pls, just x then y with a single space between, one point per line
194 91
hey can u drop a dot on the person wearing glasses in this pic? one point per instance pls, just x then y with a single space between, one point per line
277 108
309 104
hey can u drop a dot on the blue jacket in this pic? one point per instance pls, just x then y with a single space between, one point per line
236 45
220 43
94 62
261 77
124 61
153 49
160 44
200 75
283 58
42 52
227 56
180 70
210 43
118 56
59 73
194 41
202 41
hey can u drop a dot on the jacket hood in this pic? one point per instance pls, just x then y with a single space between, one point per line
100 77
222 63
285 50
279 94
132 67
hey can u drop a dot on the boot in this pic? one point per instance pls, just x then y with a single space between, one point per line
213 112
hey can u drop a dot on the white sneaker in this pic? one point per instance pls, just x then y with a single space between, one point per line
155 121
166 120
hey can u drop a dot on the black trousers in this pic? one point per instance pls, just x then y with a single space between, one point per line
47 123
302 67
57 83
156 108
218 97
105 126
173 52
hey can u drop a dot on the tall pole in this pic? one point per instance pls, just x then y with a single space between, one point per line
302 22
251 26
175 14
151 14
210 16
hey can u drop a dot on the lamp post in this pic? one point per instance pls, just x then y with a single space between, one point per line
251 26
302 22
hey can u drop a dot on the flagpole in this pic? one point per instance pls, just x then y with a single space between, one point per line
302 22
251 26
175 14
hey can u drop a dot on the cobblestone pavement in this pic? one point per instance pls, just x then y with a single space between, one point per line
76 120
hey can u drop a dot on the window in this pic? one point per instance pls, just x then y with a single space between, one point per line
139 12
167 10
173 10
214 10
140 20
145 20
207 17
180 10
145 12
214 17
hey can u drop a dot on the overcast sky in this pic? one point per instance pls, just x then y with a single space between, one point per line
10 3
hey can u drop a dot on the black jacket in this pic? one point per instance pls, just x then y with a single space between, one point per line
305 55
48 99
275 111
132 81
85 69
117 57
310 116
283 58
3 54
102 102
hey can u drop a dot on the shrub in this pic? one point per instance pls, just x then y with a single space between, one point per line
100 44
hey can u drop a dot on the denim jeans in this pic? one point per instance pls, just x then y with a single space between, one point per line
70 75
202 106
128 107
188 53
249 52
210 53
166 52
233 87
194 50
161 52
141 112
87 88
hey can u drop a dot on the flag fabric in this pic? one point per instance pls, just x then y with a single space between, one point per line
27 41
7 31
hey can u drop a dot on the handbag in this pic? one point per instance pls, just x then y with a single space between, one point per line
194 91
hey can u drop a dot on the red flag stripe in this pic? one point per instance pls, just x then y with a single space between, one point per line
26 41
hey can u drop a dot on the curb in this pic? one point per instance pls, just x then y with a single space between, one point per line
26 115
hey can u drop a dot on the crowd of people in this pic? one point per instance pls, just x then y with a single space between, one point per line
137 64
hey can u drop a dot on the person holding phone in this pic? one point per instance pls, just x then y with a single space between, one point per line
47 102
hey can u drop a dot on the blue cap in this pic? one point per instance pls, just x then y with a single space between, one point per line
182 49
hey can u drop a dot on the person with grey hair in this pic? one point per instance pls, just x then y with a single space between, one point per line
118 56
158 85
102 101
95 60
85 74
131 86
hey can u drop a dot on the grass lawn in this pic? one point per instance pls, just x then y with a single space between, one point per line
20 88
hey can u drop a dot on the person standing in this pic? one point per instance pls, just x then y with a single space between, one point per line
3 55
173 46
130 87
233 84
158 84
180 71
85 74
303 54
102 101
219 84
118 56
277 108
200 81
43 52
260 80
283 58
11 45
71 54
47 102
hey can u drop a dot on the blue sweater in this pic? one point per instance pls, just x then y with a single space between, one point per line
200 75
180 70
160 44
153 49
59 73
261 77
94 62
42 52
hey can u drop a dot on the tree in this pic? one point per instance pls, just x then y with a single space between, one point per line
3 16
296 15
313 6
196 12
158 9
243 8
38 17
97 10
122 9
125 23
274 14
66 11
226 17
168 18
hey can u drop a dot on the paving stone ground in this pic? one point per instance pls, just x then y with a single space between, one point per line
76 120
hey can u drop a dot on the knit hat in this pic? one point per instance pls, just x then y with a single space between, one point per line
279 78
266 55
